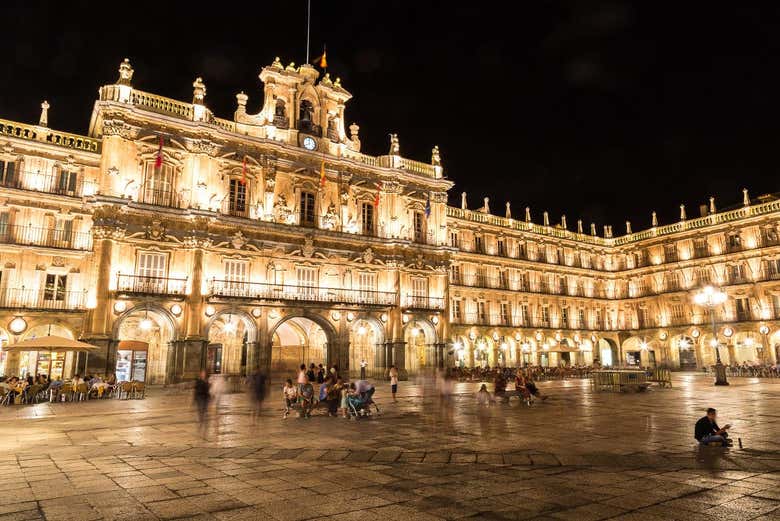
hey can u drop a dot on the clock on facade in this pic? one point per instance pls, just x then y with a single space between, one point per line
309 143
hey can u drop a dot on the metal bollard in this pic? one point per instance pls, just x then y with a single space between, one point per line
739 440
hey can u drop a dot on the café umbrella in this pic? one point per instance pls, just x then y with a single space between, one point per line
52 344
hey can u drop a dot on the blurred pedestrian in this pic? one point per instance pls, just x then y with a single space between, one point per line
217 389
393 381
258 388
363 365
202 397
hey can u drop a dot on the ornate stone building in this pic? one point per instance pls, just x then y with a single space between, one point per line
176 240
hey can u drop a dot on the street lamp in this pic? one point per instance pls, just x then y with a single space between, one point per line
711 298
764 330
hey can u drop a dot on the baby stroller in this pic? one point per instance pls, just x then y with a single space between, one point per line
359 405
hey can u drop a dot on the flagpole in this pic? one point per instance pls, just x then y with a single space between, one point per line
308 27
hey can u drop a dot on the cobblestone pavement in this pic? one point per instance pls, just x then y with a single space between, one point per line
580 455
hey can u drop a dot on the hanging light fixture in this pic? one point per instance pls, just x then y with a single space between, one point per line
230 327
146 324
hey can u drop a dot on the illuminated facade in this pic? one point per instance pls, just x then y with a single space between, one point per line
176 240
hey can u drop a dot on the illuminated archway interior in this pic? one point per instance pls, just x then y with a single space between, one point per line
226 351
366 340
297 341
144 357
420 339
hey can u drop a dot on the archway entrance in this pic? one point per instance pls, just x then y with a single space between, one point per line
229 334
144 339
608 352
366 341
296 341
420 337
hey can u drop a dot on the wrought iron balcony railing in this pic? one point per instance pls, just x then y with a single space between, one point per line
303 293
422 302
46 237
146 285
167 198
63 183
42 299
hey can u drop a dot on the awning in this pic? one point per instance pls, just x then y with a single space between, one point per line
51 343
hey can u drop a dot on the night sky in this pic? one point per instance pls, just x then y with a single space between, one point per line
603 111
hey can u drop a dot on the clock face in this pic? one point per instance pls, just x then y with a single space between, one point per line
309 143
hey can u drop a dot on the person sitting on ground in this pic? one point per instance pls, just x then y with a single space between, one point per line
707 430
483 396
290 396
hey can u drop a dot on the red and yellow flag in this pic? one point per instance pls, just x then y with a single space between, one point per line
376 197
322 174
158 161
322 61
243 172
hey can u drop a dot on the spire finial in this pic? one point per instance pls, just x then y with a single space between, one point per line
44 119
628 228
682 212
563 222
508 210
593 229
486 208
527 214
745 197
463 201
712 205
654 220
579 225
546 219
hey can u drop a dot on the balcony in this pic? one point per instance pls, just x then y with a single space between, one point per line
42 300
226 289
417 302
151 286
167 198
45 237
64 183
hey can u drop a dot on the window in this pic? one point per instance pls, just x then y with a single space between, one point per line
501 246
734 242
742 306
236 276
306 209
524 286
150 271
670 253
580 317
7 173
481 315
772 266
62 234
776 305
678 314
481 277
703 275
5 227
700 248
599 323
545 316
367 285
307 280
505 313
737 273
454 242
456 310
478 243
643 318
455 273
367 218
565 317
504 279
419 227
237 198
55 287
420 286
523 314
158 185
66 182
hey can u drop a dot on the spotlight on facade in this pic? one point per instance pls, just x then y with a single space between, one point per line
274 314
350 316
714 342
643 345
383 317
17 325
405 318
695 333
457 345
336 316
210 311
518 336
120 306
684 344
538 336
503 346
230 326
728 331
414 332
749 342
175 309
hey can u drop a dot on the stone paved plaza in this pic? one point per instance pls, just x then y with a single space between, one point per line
580 455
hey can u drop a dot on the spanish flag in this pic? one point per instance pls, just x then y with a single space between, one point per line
322 60
322 174
376 198
158 161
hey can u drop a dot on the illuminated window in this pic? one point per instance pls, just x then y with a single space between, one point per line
7 173
367 218
455 310
237 198
158 184
306 209
419 227
54 290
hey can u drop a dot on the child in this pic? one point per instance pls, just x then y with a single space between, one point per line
343 404
290 395
393 381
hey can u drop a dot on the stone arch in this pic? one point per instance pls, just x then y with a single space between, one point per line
607 351
150 327
420 337
301 338
366 342
230 334
683 349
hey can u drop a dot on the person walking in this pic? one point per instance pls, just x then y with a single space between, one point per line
363 365
393 381
258 393
202 397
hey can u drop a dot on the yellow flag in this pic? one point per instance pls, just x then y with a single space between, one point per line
324 59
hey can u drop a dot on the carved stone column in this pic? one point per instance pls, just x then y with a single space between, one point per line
104 246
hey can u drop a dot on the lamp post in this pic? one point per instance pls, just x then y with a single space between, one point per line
764 330
711 298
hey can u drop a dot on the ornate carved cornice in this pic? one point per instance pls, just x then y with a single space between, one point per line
118 127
